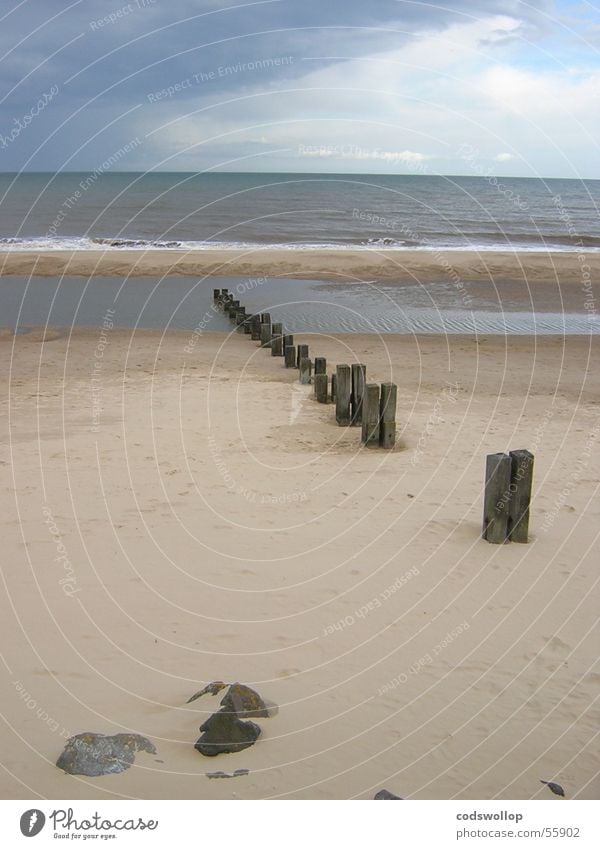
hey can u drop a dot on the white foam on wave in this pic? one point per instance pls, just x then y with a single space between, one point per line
84 243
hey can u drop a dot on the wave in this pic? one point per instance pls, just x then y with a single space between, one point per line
85 243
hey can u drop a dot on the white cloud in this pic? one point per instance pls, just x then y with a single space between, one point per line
354 152
409 106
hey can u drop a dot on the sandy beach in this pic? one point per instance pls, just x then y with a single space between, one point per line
178 510
567 268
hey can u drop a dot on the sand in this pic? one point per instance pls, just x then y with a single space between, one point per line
567 268
172 517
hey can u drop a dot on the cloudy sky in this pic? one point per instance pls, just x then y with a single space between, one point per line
386 86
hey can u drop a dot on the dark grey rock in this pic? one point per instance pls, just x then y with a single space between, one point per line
244 701
99 754
224 732
385 794
556 788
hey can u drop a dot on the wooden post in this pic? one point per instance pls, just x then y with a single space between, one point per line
320 365
232 308
496 498
343 391
240 316
321 381
387 415
333 386
302 352
370 416
265 318
216 295
277 340
305 370
255 328
265 335
521 477
359 379
248 324
290 356
288 341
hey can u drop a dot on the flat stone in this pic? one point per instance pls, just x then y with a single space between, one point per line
224 732
99 754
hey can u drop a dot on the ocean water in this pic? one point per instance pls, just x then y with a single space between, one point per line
303 306
198 211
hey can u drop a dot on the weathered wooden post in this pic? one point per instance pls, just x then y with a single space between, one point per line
343 388
265 335
265 318
321 381
255 328
333 387
288 341
240 316
290 356
320 365
370 416
387 415
521 478
496 498
232 308
359 379
277 340
248 324
305 370
216 295
302 353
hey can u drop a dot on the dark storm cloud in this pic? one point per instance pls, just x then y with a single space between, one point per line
107 58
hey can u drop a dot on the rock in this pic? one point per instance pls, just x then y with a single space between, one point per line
234 774
213 688
556 788
244 702
99 754
385 794
224 732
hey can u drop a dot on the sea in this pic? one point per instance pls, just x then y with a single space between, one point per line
181 211
199 211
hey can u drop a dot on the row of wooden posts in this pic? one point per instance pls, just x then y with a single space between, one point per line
508 477
370 405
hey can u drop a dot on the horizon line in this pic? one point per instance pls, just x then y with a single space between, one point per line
311 173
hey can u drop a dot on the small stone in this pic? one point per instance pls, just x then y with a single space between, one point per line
221 774
556 788
224 732
385 794
213 688
99 754
244 702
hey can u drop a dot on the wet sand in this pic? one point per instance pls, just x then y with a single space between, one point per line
172 517
568 268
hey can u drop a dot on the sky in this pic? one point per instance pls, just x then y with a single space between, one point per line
339 86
